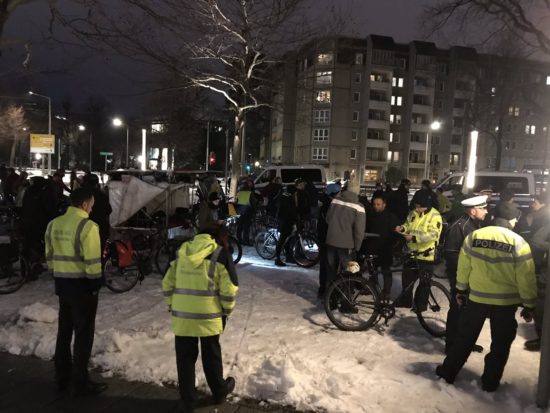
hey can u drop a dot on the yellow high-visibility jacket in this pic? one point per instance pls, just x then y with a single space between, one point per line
199 288
243 197
495 264
425 229
73 251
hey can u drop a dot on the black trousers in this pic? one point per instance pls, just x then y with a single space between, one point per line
323 264
187 351
503 333
285 229
409 276
76 313
243 224
451 262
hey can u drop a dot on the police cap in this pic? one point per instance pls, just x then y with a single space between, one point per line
475 202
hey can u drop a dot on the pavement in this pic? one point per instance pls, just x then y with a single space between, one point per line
27 386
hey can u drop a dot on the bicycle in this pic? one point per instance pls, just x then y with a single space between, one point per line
353 302
301 244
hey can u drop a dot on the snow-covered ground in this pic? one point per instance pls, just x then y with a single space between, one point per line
280 347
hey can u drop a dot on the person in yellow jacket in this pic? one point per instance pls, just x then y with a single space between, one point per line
421 231
200 287
497 274
73 252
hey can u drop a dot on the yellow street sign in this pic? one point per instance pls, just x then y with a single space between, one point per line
42 143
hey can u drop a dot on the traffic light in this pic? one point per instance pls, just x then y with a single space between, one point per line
247 168
212 158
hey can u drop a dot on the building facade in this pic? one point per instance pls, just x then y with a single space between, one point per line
369 106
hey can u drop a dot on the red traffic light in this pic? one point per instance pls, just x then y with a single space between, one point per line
212 158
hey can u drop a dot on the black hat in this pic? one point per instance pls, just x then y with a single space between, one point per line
422 198
507 211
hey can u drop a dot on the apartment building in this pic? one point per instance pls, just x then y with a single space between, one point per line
367 105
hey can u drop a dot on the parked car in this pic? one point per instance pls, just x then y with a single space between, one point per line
288 173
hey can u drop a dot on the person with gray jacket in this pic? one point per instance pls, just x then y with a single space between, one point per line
346 231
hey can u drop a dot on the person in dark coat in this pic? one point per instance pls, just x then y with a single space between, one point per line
378 190
426 187
101 209
332 192
472 219
288 217
382 222
302 201
398 202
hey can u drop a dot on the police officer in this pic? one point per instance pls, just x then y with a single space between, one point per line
200 287
476 210
496 267
73 252
421 231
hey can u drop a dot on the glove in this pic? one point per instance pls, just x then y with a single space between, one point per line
461 299
527 314
224 321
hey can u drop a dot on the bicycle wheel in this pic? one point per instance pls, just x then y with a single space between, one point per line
432 301
13 275
266 245
306 250
235 249
165 255
120 280
351 304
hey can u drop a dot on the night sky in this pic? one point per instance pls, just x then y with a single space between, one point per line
63 72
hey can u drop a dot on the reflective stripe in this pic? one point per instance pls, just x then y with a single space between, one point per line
67 258
461 287
492 260
227 298
525 257
501 296
94 275
49 240
212 268
532 301
168 293
198 293
93 261
77 235
358 208
196 316
58 274
520 243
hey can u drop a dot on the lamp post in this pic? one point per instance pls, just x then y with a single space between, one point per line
144 149
436 125
49 125
117 122
82 128
471 174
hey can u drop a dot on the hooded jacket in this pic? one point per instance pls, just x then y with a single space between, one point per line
200 287
346 222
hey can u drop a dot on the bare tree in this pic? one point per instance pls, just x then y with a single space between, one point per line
480 21
13 128
224 46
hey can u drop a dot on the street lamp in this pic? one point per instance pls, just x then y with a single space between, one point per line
471 174
436 125
117 122
82 128
49 125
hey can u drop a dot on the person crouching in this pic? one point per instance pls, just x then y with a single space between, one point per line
200 288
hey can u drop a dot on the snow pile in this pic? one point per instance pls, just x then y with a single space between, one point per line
280 347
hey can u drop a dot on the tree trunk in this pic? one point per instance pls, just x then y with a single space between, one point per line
235 164
12 152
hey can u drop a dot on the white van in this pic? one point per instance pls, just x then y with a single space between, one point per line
523 185
289 173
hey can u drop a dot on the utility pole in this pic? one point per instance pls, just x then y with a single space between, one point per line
207 144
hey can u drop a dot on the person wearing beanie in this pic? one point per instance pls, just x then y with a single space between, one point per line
421 231
426 189
495 275
209 212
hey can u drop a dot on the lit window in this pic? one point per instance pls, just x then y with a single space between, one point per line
320 135
324 78
157 127
321 116
548 80
356 116
323 96
358 58
397 82
393 156
324 58
530 129
356 97
319 154
399 100
353 154
395 119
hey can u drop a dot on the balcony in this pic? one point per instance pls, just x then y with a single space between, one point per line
379 105
423 109
457 130
417 165
420 127
423 90
378 124
377 143
462 94
458 112
456 148
418 146
385 86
